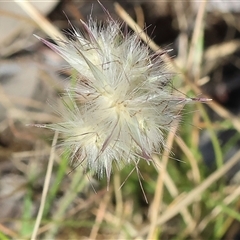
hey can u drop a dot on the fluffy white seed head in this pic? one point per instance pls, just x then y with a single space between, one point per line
122 105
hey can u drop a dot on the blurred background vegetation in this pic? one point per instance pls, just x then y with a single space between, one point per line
194 191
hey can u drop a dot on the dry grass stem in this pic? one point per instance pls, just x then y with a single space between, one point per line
41 21
198 30
45 187
155 207
135 27
100 215
214 55
192 160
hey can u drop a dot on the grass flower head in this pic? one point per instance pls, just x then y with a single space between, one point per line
122 105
